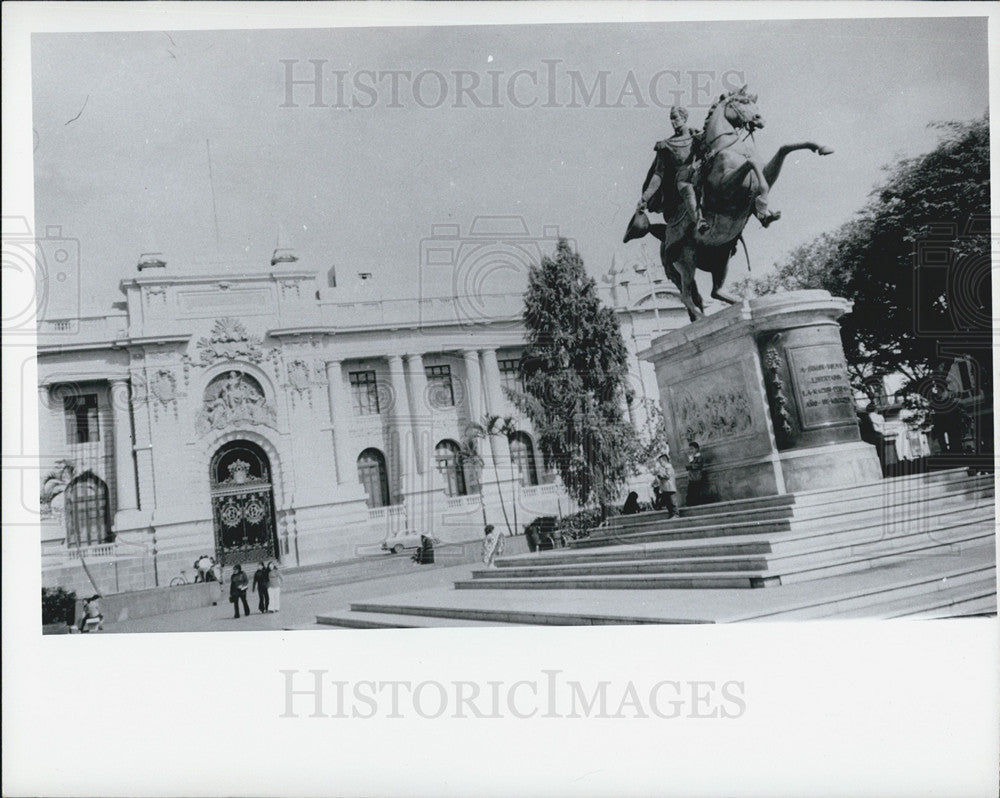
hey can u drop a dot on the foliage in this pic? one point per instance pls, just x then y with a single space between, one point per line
653 439
490 427
58 606
578 525
56 481
914 260
574 369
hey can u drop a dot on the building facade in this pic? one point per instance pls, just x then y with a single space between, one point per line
272 416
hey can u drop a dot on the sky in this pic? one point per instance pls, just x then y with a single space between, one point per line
121 122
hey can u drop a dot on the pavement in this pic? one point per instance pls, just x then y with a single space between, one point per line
300 606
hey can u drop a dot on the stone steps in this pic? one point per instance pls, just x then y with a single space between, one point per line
803 537
659 518
643 551
978 596
812 550
683 532
349 619
961 608
889 556
500 615
826 598
897 503
854 507
715 572
893 597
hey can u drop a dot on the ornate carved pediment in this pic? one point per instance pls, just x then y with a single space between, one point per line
233 399
298 375
230 340
164 386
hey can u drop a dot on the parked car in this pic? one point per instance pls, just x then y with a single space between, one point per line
396 544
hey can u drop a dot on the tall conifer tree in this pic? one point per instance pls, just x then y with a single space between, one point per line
574 372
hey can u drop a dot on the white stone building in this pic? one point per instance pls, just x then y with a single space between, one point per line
271 416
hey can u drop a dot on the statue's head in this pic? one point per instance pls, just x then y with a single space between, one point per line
678 115
741 110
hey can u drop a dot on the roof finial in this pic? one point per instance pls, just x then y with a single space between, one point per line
283 252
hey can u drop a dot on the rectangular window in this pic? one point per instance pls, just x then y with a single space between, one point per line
510 374
364 389
439 388
81 419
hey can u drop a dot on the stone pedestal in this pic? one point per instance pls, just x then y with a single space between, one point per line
763 388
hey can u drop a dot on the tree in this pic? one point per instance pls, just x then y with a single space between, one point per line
56 483
470 452
915 261
573 370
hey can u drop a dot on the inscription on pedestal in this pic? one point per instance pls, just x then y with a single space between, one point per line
823 392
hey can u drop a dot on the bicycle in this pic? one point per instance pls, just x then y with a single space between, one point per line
182 578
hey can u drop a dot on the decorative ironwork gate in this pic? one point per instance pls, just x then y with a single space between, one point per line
242 504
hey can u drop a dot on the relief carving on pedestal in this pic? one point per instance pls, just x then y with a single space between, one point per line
231 399
776 393
714 416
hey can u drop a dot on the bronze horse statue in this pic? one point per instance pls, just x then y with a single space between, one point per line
733 186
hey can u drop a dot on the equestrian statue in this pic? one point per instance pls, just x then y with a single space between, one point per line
707 185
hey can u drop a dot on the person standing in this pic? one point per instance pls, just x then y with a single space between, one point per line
667 482
696 476
260 583
238 584
274 587
492 545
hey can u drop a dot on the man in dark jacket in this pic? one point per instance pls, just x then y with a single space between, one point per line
238 583
261 580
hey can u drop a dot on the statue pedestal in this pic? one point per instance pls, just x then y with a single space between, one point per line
763 388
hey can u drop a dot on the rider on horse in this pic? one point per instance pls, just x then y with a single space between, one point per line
678 159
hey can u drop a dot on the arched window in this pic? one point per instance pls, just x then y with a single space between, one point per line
238 462
522 454
450 464
88 519
373 475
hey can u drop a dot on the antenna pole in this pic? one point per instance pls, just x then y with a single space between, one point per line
211 182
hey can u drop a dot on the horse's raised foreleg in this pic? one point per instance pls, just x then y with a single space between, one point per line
773 167
764 215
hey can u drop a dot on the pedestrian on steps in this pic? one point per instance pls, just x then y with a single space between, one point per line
238 584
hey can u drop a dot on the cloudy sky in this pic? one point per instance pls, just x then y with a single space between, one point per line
482 121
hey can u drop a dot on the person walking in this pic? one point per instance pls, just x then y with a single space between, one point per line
274 587
492 545
238 584
260 584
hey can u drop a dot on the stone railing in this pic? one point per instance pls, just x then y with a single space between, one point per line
92 329
472 500
389 520
539 490
100 551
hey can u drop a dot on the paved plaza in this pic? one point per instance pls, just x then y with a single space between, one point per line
300 606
